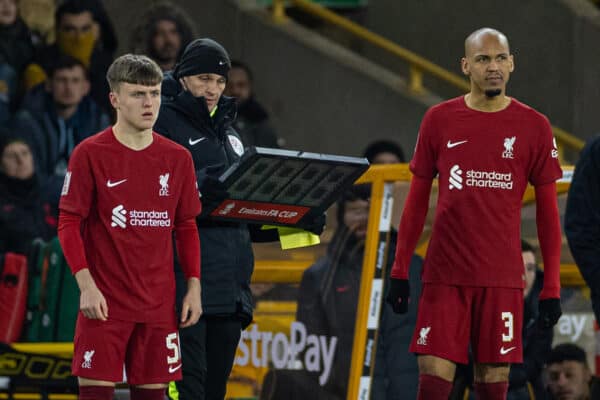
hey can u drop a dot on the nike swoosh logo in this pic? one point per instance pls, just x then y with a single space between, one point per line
113 184
193 142
173 369
222 62
451 145
504 351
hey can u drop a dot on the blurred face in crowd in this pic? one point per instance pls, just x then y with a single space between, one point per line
137 105
356 217
209 86
166 42
386 158
238 84
488 63
530 269
68 86
8 12
17 161
78 25
569 380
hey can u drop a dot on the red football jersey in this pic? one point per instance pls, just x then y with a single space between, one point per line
483 162
130 202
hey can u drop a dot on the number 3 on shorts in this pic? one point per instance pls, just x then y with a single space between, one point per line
173 344
507 317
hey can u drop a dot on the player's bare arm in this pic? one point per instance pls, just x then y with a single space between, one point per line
92 302
191 309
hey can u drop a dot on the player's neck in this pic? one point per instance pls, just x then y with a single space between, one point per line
481 102
131 137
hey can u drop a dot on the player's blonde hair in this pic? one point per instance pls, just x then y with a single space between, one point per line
133 68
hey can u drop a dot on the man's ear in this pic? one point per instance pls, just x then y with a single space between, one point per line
114 100
464 66
182 82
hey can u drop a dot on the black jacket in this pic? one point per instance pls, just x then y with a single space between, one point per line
253 125
582 218
537 344
226 247
327 305
24 214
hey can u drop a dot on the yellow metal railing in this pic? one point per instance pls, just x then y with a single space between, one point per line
417 64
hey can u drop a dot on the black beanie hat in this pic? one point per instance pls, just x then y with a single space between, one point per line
203 56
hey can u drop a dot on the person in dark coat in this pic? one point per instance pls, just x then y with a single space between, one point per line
252 122
84 32
57 116
25 214
195 114
582 219
328 298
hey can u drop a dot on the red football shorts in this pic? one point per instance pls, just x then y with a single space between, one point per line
150 352
451 317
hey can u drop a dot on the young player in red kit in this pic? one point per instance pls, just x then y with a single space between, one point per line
126 191
484 148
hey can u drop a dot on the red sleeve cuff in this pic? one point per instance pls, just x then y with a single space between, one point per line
548 226
69 236
411 225
188 247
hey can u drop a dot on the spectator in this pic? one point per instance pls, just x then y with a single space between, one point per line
84 32
384 152
59 114
328 301
569 377
537 341
163 33
24 212
16 47
582 218
252 121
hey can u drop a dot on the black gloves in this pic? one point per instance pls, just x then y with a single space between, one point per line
317 225
398 295
212 190
550 312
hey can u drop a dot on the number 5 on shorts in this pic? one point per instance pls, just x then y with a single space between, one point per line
173 344
507 317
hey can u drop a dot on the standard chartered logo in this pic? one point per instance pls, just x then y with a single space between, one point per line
456 180
479 179
119 217
152 218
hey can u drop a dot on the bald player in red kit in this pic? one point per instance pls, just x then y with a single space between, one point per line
126 191
484 147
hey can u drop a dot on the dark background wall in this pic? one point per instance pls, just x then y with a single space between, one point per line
555 44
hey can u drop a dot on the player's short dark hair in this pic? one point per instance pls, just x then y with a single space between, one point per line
66 62
72 7
526 247
567 352
383 146
133 68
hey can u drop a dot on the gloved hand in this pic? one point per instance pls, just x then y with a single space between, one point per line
212 190
317 225
398 296
550 312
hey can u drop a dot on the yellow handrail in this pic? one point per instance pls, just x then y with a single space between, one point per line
417 64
